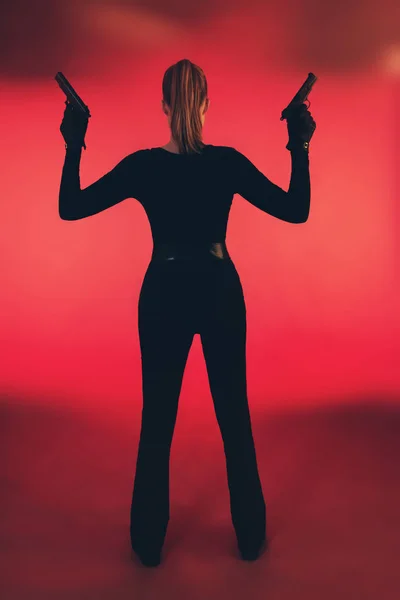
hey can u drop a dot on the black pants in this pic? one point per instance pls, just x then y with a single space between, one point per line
179 298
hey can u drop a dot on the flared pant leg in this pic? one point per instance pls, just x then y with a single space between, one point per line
165 341
223 338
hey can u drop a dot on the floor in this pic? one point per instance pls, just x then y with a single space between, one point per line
331 481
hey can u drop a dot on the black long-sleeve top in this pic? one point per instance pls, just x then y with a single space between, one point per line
186 197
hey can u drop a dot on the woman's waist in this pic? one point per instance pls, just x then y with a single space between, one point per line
190 250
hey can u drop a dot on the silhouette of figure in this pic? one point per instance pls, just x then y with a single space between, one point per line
191 286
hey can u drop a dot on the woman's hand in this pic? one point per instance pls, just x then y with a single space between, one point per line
74 125
301 125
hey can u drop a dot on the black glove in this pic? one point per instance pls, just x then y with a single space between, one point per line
301 126
74 126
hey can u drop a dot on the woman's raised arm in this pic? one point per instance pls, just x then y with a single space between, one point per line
123 181
292 206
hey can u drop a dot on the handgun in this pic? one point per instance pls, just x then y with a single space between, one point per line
299 98
72 97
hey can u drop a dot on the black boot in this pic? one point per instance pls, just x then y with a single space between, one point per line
253 553
148 558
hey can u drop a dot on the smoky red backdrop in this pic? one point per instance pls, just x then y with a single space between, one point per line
322 301
322 297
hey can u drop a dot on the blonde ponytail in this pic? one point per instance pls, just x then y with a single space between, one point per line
184 90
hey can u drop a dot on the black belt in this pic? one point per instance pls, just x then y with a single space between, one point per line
190 251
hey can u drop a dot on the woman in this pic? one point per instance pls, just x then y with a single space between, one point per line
191 286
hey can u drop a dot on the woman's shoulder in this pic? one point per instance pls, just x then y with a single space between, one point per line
145 154
138 157
222 149
224 153
210 147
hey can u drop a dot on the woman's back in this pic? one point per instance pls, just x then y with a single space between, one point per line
187 197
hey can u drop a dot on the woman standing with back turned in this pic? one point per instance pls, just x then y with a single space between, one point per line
191 286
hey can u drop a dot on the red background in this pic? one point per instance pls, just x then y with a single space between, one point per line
322 297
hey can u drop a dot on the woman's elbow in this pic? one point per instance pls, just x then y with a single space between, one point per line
302 215
67 208
65 216
299 218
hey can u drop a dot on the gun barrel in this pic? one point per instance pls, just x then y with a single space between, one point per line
71 94
301 95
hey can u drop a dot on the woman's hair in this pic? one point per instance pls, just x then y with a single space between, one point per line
184 89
